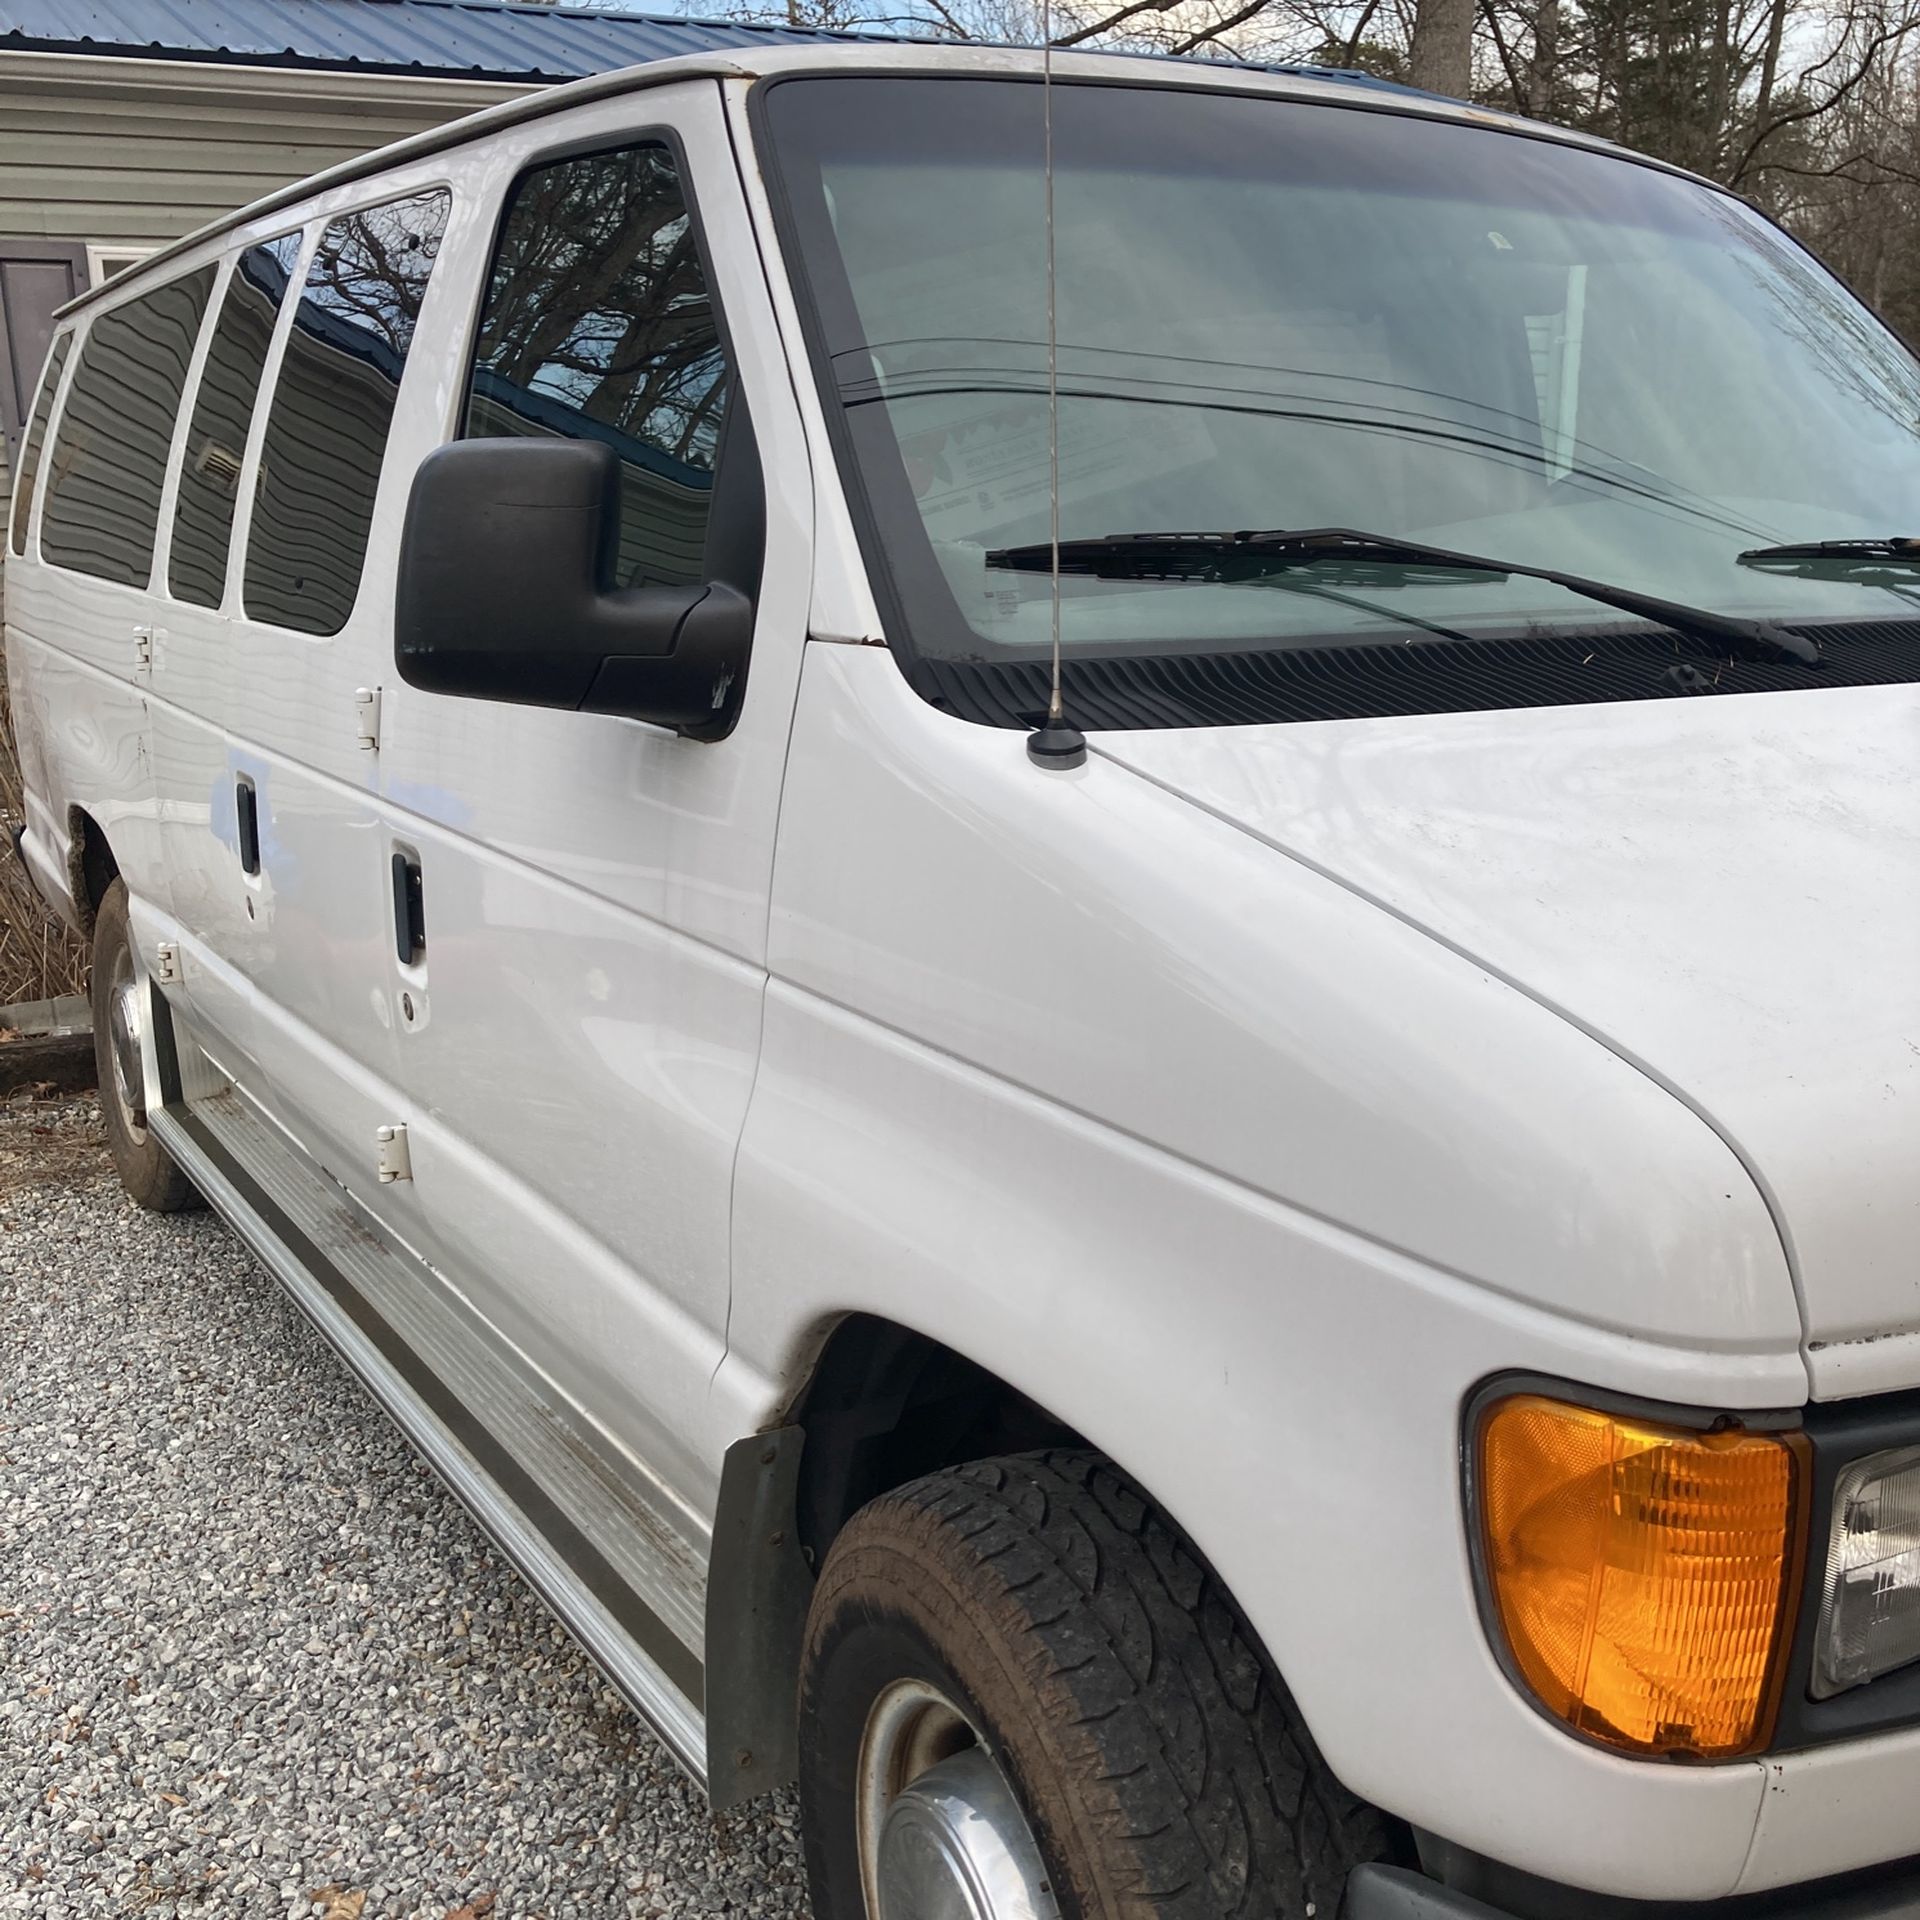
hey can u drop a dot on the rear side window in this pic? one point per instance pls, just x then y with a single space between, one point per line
110 461
222 412
332 406
599 325
35 435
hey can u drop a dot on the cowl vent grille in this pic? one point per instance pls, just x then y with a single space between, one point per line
1425 676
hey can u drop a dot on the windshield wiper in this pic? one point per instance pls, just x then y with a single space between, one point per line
1230 558
1891 549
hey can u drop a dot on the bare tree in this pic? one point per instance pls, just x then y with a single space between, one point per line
1441 56
1810 108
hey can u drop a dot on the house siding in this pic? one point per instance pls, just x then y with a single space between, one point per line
139 158
101 151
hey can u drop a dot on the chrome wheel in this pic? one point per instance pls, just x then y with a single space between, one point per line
942 1836
124 1030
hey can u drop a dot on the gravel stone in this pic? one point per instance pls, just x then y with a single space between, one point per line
254 1660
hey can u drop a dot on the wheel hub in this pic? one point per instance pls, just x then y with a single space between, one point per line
124 1033
956 1846
942 1833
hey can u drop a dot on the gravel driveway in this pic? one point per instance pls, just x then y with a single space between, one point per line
253 1660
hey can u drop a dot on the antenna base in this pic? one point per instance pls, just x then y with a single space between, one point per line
1057 744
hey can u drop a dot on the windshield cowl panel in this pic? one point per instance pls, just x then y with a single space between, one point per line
1288 315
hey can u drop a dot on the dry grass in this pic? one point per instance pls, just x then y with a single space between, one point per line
38 956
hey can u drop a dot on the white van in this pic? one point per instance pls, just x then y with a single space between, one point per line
1293 1278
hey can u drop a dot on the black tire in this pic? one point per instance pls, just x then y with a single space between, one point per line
146 1169
1163 1768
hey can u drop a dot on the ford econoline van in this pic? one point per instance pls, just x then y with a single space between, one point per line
1274 1267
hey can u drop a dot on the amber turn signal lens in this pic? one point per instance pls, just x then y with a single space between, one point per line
1642 1574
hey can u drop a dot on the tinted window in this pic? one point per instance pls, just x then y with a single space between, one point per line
327 433
36 433
1276 314
599 325
222 412
110 461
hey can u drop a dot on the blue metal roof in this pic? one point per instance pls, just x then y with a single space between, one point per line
466 39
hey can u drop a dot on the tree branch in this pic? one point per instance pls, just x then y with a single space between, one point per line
1113 20
946 17
1521 97
1839 170
1240 19
1814 110
1351 51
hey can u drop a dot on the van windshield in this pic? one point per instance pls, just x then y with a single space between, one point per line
1279 314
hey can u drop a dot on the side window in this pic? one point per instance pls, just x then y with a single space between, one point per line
332 405
109 463
599 325
35 435
222 412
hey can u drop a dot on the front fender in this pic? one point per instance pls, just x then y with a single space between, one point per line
1251 1183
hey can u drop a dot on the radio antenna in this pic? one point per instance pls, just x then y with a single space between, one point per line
1057 742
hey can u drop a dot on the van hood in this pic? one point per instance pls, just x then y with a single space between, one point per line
1724 890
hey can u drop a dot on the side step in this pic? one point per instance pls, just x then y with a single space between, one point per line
626 1585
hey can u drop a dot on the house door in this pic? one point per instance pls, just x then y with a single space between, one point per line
37 278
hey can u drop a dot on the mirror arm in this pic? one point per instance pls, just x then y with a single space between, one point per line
693 684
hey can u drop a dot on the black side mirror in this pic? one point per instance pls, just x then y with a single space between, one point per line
504 561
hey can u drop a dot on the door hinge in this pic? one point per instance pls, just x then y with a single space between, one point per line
143 638
390 1156
366 717
166 961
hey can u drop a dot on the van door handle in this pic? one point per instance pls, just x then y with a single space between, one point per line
246 810
409 910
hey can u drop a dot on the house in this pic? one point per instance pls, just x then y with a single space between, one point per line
126 123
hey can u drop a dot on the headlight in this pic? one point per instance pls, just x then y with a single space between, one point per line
1870 1612
1643 1575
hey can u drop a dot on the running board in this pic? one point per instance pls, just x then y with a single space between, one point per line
620 1582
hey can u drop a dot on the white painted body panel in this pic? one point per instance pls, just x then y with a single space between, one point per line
1110 946
587 1017
81 704
81 731
1246 1097
1127 1107
1719 890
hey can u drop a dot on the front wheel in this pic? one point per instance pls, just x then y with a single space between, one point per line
119 996
1024 1697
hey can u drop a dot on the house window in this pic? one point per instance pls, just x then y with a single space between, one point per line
103 262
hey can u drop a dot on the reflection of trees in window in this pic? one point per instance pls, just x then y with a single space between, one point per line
598 302
370 269
1853 350
326 436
